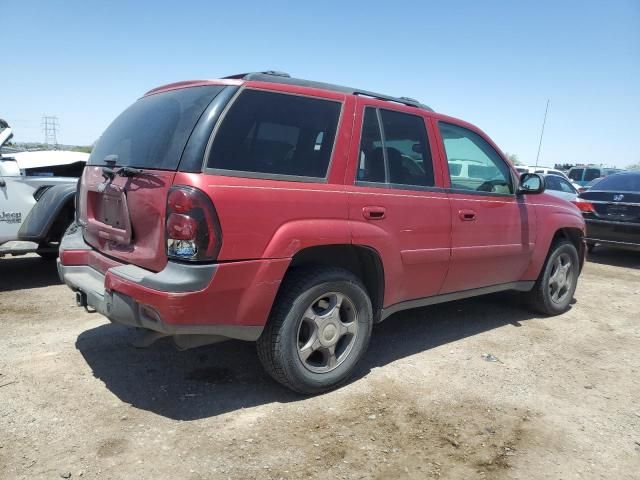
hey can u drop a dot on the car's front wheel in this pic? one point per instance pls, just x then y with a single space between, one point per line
554 289
319 329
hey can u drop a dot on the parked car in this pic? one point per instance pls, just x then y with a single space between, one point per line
560 187
36 197
583 175
297 214
612 211
542 170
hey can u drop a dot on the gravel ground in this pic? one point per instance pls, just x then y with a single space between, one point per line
559 399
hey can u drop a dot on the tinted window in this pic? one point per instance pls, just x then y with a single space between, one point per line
576 174
407 149
371 164
274 133
473 163
403 158
153 132
552 183
591 174
626 182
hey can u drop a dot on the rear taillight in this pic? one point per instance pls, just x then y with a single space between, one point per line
192 227
80 202
584 206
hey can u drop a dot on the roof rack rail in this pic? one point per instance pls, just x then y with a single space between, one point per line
403 100
282 77
275 73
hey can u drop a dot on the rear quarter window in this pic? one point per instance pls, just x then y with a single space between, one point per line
275 134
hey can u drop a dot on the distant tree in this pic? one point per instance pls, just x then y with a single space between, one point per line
634 166
85 149
513 158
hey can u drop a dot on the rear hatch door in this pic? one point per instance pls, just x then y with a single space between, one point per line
123 193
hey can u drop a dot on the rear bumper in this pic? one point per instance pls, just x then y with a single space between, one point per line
231 300
613 233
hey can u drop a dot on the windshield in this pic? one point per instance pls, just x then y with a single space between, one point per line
153 132
626 182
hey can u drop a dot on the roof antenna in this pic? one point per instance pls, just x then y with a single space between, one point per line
542 132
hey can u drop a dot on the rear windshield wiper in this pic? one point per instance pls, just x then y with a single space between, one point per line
128 172
109 172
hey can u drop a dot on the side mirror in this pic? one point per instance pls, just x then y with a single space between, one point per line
531 183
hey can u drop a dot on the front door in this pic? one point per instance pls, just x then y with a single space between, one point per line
493 230
16 201
397 203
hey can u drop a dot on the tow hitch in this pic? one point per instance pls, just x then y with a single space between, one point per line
81 301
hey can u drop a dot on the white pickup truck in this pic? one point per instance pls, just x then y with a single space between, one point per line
36 197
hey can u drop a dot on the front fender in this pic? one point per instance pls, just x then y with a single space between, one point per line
549 223
45 212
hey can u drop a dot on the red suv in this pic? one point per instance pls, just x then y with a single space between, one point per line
298 214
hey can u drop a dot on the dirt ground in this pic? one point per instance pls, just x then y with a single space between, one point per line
562 400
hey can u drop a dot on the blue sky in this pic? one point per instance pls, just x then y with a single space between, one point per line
491 63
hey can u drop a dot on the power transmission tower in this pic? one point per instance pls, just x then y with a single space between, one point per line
50 127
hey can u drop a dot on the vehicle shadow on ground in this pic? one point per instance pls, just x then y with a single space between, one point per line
616 257
211 380
17 273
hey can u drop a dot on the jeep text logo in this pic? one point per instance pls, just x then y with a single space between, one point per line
617 198
10 217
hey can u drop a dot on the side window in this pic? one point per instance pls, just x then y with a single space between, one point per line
278 134
473 163
576 174
566 186
402 156
407 149
591 174
551 182
371 162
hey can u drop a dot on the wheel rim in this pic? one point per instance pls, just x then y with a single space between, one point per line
561 278
327 332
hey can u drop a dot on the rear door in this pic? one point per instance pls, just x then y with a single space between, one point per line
396 202
123 211
493 231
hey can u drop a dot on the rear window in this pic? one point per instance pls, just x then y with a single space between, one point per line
620 183
153 132
269 133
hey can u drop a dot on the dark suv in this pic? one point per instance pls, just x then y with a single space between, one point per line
297 214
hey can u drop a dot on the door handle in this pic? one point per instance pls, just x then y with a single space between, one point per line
467 215
374 213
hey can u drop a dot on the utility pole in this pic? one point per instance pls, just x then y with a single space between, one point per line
542 132
50 127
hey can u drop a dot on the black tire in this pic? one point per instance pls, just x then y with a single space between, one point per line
591 247
48 255
50 251
540 298
279 344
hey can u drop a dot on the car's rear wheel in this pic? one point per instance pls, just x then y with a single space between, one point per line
554 289
319 329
